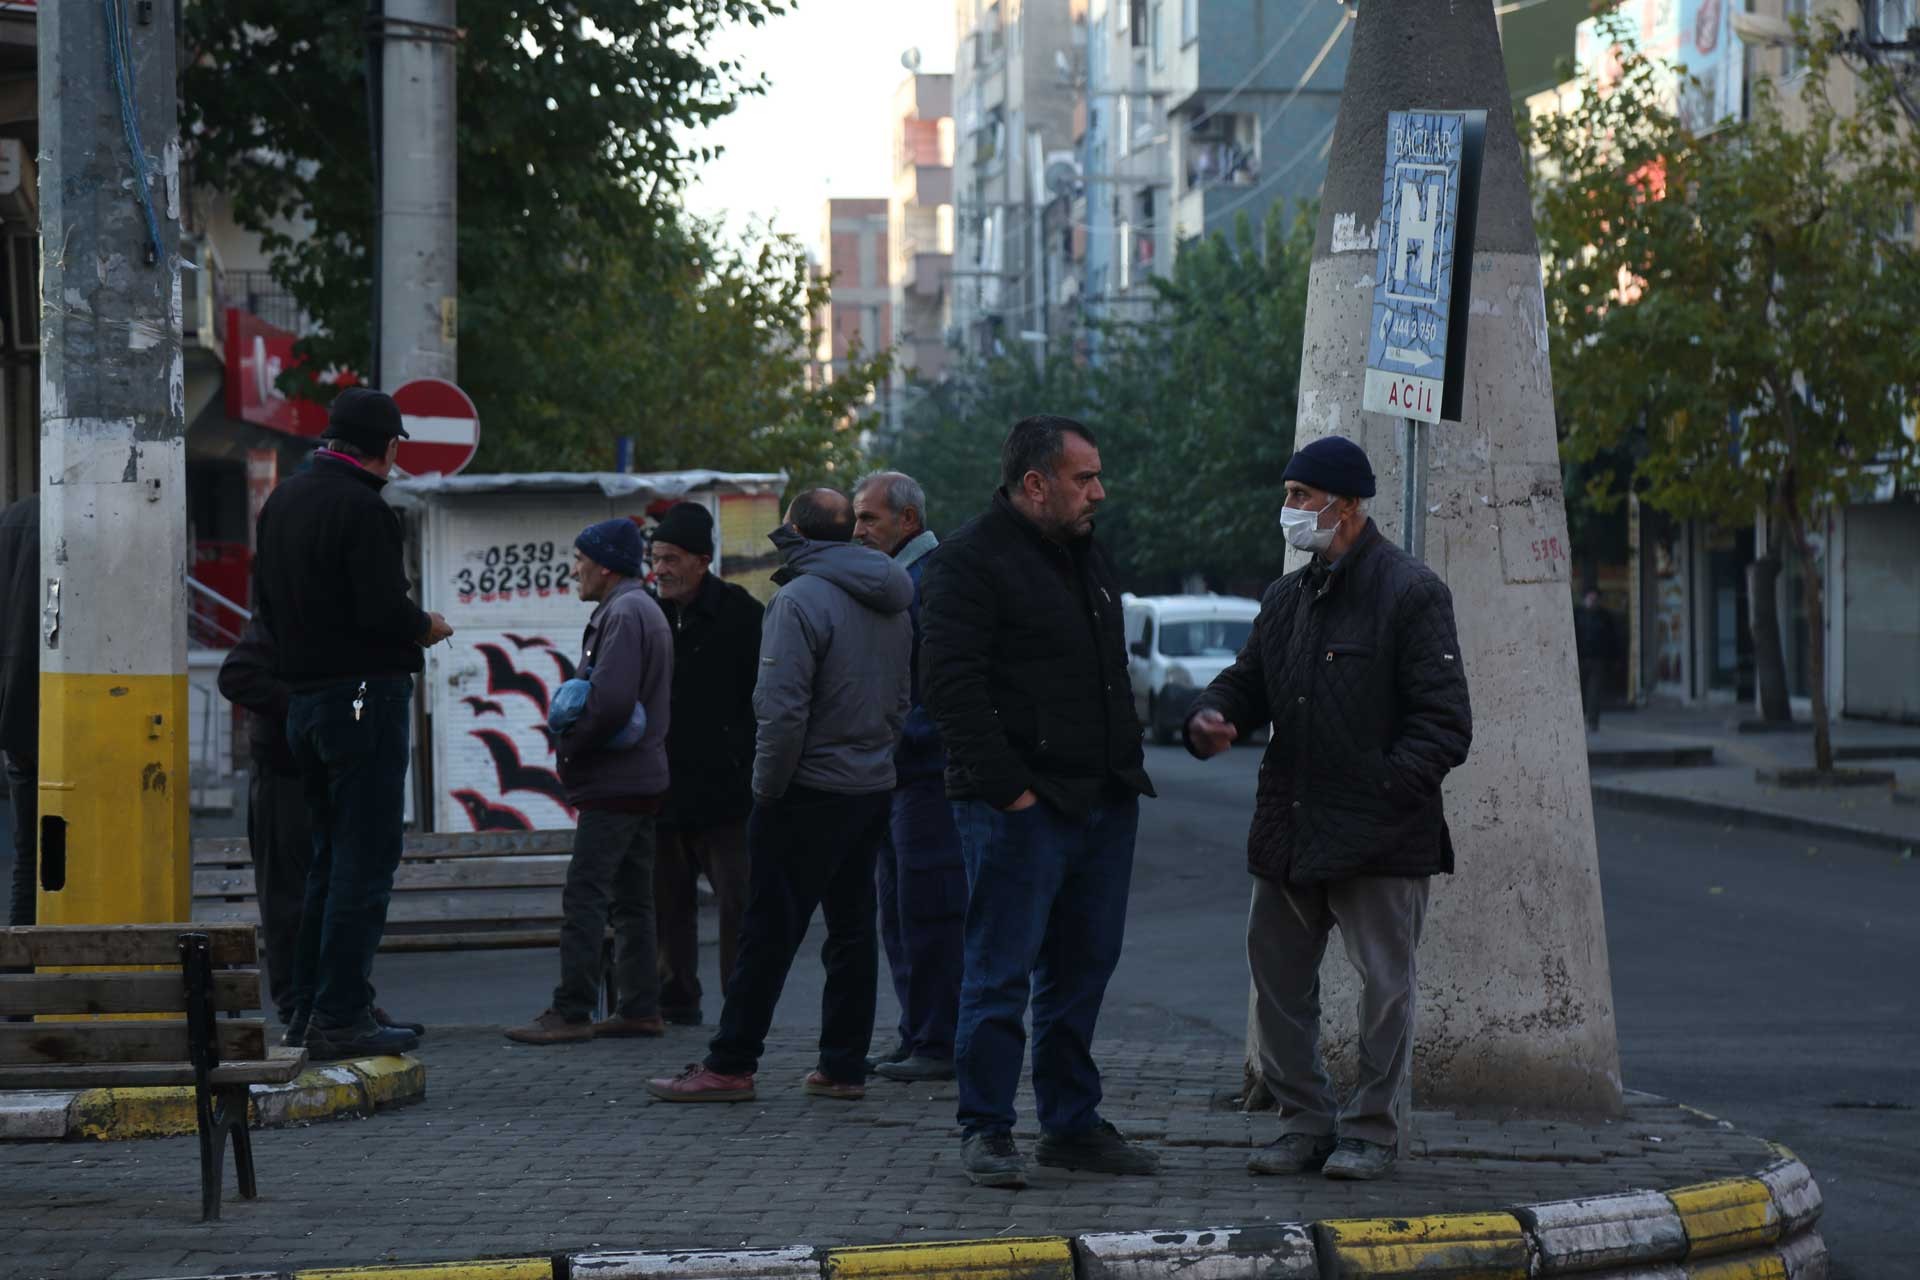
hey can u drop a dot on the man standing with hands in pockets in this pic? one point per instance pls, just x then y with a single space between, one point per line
1026 676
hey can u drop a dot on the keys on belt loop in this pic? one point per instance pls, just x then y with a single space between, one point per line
360 701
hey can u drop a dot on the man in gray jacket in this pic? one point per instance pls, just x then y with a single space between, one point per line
833 693
618 784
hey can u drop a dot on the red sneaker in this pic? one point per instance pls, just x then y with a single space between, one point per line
701 1084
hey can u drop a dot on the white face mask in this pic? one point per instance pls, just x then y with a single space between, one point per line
1302 528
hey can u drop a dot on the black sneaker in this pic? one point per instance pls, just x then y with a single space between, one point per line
1100 1149
686 1015
386 1019
1292 1153
1357 1160
916 1069
363 1038
296 1033
991 1160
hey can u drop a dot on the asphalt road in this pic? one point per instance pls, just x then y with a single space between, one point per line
1763 978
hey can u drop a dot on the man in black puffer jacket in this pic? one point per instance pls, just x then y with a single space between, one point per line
1354 661
1025 673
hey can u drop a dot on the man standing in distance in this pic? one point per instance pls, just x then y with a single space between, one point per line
920 876
703 830
331 588
1354 662
618 787
1025 669
833 693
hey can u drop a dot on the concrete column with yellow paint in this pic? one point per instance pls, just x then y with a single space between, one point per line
113 556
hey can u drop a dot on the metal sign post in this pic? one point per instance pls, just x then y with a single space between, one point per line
1417 340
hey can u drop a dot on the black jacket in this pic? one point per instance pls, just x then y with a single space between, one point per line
716 661
20 629
1024 666
1359 671
1593 638
330 580
247 680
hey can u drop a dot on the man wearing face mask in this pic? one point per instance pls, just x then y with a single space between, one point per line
1354 661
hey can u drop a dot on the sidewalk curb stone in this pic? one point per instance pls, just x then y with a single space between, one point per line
357 1087
1758 1227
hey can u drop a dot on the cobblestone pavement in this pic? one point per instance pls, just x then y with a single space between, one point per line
531 1151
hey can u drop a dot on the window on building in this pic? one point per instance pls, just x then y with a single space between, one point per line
1123 132
1125 256
1189 21
1222 150
1793 57
1156 39
1136 11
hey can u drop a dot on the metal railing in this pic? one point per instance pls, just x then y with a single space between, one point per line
205 629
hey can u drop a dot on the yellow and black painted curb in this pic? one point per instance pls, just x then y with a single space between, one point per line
354 1087
1752 1228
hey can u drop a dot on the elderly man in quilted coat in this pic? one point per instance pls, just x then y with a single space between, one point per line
1354 661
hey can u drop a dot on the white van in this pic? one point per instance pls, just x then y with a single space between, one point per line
1176 645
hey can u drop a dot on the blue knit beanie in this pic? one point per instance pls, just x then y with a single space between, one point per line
613 544
1333 464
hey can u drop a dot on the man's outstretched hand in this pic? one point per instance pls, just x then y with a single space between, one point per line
1211 733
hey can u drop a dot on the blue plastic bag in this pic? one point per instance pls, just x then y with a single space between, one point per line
570 699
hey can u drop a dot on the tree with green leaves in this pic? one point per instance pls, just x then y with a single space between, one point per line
590 306
1193 403
1738 305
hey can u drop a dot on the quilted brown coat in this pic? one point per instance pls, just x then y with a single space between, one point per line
1358 669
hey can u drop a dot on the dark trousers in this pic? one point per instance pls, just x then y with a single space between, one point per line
23 792
807 849
1593 675
354 771
280 840
1046 914
609 878
683 855
921 880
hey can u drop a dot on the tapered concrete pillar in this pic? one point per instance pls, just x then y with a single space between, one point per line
1516 1004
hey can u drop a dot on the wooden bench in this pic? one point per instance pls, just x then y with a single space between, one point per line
451 892
185 969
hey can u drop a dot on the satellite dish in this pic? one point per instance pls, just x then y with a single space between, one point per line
1062 174
911 59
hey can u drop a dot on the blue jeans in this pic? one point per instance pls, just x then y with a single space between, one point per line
354 772
922 883
1046 915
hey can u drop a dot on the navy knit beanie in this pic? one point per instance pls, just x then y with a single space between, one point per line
1333 464
613 544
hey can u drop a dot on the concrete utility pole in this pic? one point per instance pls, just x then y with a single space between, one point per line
113 531
418 250
1516 1003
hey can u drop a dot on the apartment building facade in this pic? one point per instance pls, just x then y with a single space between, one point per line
920 223
1015 87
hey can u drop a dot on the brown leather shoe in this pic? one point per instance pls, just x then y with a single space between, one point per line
821 1086
551 1028
620 1026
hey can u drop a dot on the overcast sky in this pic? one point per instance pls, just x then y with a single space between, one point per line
822 127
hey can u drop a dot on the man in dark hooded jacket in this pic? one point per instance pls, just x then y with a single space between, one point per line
834 691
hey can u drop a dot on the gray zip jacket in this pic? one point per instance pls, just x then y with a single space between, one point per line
835 685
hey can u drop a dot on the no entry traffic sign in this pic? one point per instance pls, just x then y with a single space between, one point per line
443 427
